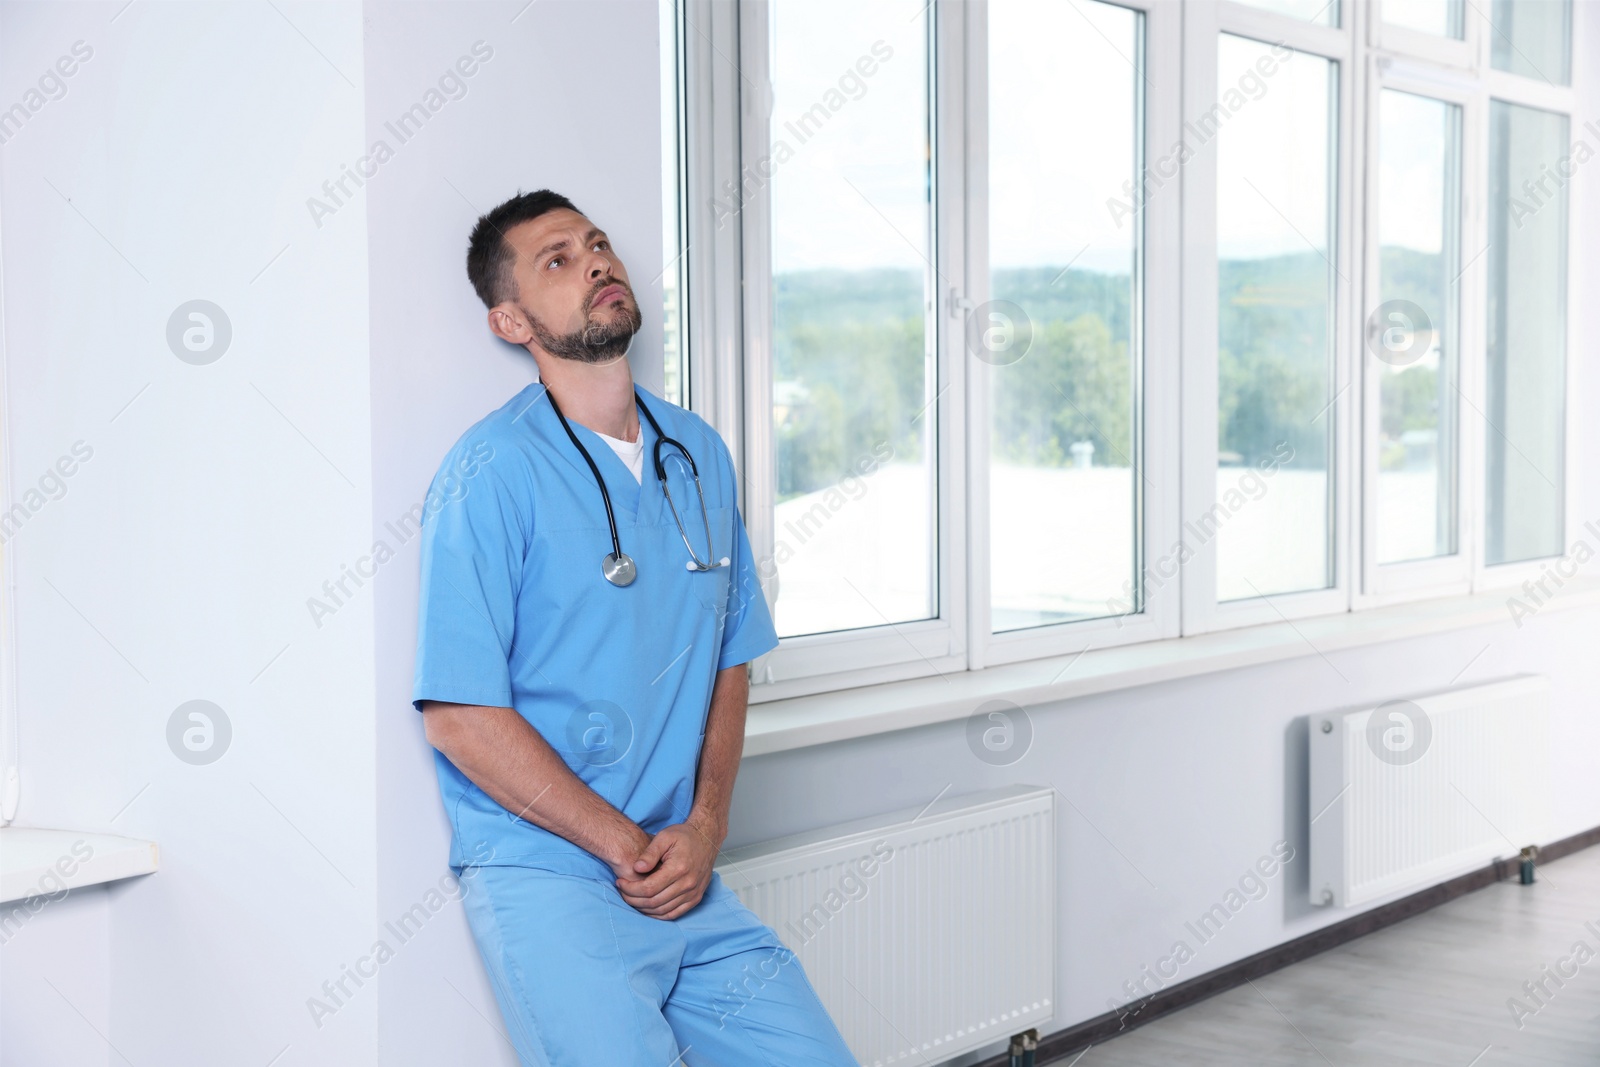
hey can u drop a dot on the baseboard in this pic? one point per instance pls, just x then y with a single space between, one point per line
1134 1014
1568 845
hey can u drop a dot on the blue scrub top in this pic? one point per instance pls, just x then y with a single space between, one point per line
514 612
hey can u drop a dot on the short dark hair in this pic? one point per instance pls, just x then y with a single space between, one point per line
490 256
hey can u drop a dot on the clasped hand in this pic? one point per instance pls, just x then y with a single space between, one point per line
672 872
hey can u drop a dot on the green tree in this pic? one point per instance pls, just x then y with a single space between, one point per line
1074 384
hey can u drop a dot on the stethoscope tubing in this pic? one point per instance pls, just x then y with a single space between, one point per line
611 518
662 440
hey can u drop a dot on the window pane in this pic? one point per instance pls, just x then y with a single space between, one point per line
1533 38
1274 126
1527 334
674 324
1413 335
853 370
1060 330
1321 12
1440 17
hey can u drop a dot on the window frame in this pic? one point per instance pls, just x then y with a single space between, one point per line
894 651
1206 21
1384 583
729 372
1482 85
1158 334
1461 52
674 193
1528 92
714 372
10 735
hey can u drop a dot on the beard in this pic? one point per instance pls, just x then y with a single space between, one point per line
594 341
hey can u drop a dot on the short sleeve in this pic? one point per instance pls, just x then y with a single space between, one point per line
748 631
474 537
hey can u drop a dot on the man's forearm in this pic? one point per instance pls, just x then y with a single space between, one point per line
508 759
720 753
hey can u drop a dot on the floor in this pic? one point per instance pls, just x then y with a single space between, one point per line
1436 989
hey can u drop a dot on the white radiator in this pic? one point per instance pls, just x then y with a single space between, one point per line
927 933
1413 792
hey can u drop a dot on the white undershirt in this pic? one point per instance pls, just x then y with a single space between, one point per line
631 453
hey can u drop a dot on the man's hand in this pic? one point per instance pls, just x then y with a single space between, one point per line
623 857
672 873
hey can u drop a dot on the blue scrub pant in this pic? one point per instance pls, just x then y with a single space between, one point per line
583 978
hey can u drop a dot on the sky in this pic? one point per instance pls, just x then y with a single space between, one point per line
1416 150
1061 139
1062 129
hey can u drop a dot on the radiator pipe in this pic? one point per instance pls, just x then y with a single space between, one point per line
1023 1046
1525 868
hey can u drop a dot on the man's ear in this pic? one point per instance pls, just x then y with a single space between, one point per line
507 323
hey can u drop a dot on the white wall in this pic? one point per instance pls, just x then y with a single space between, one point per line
569 101
217 499
65 945
178 563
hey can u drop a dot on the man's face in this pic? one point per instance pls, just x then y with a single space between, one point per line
572 288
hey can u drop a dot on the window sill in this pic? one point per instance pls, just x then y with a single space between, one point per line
38 863
799 722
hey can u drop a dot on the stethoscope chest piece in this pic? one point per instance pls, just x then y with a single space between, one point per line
618 568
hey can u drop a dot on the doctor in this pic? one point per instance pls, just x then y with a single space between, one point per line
588 607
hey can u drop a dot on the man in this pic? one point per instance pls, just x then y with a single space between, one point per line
581 673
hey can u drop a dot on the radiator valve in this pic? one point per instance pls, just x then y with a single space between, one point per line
1525 868
1023 1046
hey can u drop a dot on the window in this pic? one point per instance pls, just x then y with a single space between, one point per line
1413 335
1276 284
1527 334
1227 341
1446 33
674 322
1060 333
1442 18
1532 38
852 284
1321 12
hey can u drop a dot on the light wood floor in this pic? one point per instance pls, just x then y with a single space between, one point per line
1430 990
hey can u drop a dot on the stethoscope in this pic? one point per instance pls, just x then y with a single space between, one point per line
618 566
